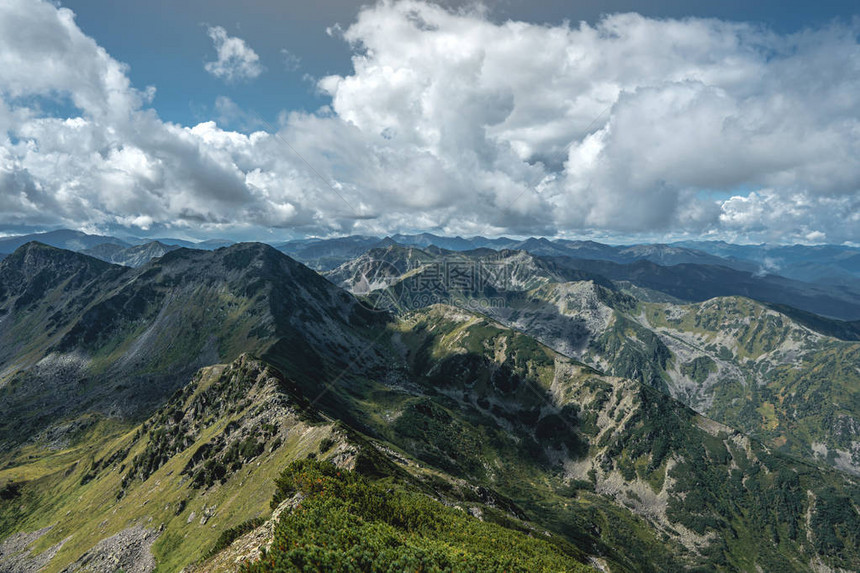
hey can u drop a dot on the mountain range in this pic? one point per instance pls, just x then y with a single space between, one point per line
771 371
822 280
150 415
826 264
100 246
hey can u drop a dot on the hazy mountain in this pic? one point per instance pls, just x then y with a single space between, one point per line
451 243
212 244
207 245
694 282
665 255
326 254
338 251
830 264
823 264
106 247
62 239
134 256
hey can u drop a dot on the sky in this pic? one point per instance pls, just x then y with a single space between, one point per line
614 120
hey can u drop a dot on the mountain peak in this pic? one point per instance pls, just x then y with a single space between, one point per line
35 270
34 256
246 251
387 242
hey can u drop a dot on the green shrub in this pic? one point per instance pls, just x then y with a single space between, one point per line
229 536
348 523
326 444
10 491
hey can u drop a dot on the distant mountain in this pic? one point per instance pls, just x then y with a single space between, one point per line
684 281
63 239
450 243
213 244
479 269
821 264
669 255
830 264
694 282
207 245
326 254
129 256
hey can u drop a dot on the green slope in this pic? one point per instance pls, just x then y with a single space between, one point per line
345 522
766 375
242 415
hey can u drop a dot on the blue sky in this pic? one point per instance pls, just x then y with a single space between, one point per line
165 42
274 120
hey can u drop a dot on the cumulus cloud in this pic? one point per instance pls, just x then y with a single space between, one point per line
44 53
113 161
627 119
799 216
236 60
452 122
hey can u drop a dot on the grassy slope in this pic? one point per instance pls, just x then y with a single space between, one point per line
71 491
777 380
85 513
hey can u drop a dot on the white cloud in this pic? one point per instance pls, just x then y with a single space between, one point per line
236 60
291 61
44 53
653 112
114 161
804 217
449 121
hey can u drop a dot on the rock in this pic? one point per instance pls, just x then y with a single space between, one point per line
130 551
15 554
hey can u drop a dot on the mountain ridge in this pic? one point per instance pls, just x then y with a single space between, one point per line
134 256
64 238
148 328
731 358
